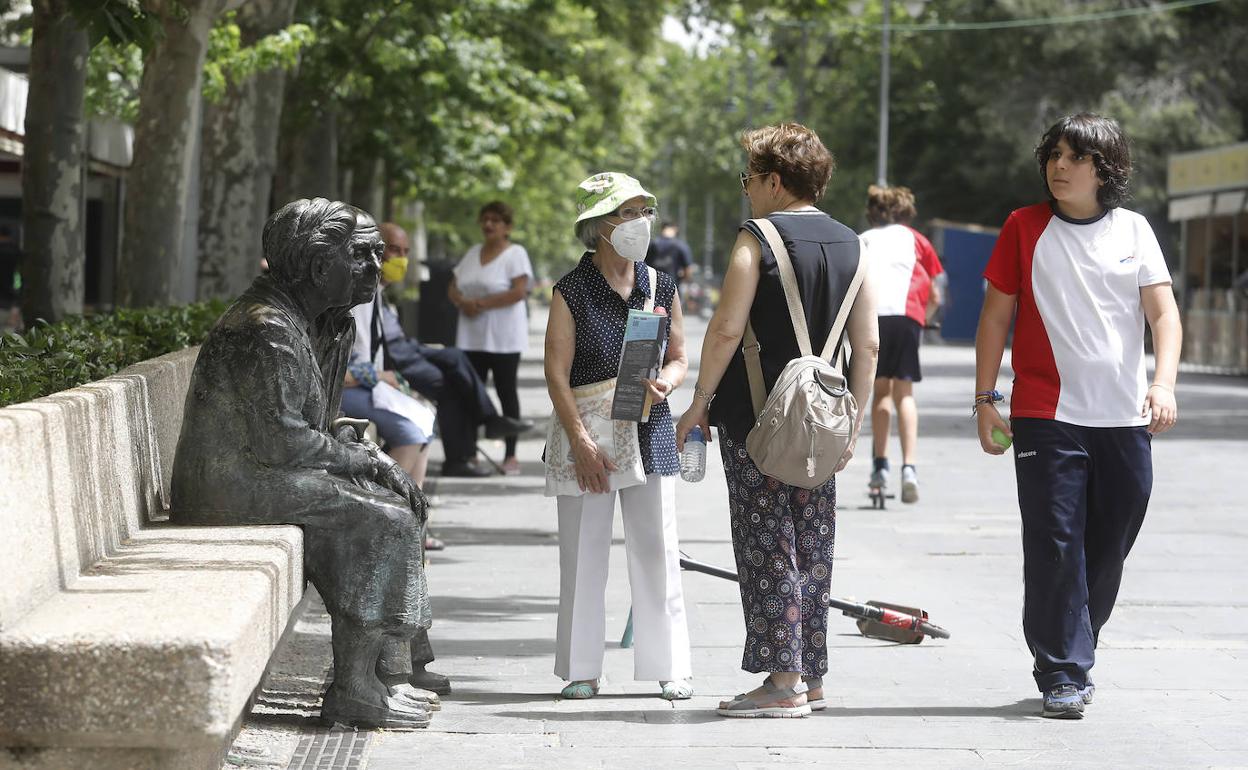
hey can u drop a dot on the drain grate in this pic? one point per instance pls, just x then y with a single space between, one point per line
330 749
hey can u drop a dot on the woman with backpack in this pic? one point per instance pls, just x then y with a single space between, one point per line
783 533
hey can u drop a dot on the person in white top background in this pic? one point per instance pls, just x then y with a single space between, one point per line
902 263
489 287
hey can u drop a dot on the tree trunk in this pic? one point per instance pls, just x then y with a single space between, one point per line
237 164
153 257
53 214
309 153
368 187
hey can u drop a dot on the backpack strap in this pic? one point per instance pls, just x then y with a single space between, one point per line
842 316
797 315
751 350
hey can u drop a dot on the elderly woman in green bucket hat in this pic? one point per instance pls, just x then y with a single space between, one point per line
584 338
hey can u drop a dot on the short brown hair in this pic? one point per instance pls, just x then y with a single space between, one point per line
498 209
795 153
889 205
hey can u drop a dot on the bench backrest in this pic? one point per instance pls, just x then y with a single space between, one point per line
82 471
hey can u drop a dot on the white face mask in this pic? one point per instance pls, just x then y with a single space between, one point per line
631 239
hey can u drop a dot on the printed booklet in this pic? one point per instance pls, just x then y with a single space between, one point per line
641 358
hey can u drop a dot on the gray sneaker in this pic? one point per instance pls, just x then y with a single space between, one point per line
1087 692
879 479
1062 702
909 484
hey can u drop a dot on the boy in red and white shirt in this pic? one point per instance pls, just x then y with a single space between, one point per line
902 264
1084 275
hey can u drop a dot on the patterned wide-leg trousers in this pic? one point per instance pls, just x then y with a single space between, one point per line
783 538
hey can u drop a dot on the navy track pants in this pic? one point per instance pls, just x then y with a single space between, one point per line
1082 493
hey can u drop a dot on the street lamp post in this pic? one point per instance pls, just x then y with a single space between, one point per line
913 8
881 164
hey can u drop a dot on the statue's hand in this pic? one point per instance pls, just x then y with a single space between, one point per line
349 430
392 476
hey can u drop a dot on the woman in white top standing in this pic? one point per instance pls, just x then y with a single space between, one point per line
489 286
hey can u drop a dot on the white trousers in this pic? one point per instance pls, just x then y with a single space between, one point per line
660 632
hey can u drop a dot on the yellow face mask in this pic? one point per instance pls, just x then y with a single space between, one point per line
393 269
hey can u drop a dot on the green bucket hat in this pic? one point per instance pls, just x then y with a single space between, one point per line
603 193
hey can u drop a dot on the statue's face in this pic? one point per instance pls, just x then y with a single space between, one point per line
366 249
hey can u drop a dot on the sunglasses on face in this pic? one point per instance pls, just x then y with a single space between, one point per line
746 176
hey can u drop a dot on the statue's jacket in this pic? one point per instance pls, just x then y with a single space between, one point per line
255 449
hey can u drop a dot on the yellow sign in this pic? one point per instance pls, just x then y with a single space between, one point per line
1221 168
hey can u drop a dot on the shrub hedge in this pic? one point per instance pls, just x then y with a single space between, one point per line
53 357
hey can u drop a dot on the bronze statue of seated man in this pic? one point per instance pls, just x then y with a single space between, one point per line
258 447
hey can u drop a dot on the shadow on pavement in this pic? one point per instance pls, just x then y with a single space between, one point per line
459 535
489 609
494 648
647 716
1027 708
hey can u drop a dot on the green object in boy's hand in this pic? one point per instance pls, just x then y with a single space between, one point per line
1002 440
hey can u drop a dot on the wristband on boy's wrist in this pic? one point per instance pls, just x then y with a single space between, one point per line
992 397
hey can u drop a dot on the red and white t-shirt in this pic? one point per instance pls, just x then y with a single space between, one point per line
1078 352
902 264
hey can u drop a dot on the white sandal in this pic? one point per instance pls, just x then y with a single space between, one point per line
679 689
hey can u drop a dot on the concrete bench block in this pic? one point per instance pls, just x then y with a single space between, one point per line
158 646
83 471
125 642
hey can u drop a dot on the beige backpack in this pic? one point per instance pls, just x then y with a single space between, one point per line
804 425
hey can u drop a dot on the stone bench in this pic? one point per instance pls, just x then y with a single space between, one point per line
125 642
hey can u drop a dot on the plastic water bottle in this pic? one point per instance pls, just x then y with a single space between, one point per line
693 459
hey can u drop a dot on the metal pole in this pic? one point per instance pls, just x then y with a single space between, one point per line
709 244
881 169
1184 284
749 118
1243 205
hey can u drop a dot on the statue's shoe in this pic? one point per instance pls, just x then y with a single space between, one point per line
395 715
428 680
423 698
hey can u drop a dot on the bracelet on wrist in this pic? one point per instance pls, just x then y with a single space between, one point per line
991 397
699 392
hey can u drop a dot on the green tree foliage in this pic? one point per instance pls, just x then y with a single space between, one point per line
116 65
967 106
229 60
470 101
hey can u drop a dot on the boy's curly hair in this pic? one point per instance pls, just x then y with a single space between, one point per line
1101 138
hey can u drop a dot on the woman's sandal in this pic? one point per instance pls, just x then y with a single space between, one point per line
769 703
679 689
815 683
583 690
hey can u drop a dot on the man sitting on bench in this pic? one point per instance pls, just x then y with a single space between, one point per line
441 374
